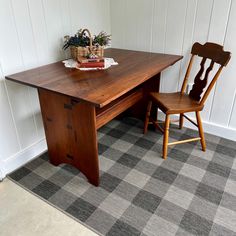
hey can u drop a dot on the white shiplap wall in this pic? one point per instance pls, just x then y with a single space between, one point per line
172 26
32 35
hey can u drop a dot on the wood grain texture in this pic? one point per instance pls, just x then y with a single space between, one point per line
175 103
180 102
98 87
75 104
199 83
214 53
116 107
139 109
166 136
70 128
201 132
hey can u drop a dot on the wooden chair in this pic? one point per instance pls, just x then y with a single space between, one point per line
180 102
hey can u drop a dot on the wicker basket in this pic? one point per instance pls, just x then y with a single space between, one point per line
77 52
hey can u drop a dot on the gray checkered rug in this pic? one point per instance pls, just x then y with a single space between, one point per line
191 193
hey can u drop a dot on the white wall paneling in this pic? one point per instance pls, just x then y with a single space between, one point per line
12 61
142 14
130 24
32 34
159 17
91 14
216 33
174 27
190 20
223 111
118 32
8 135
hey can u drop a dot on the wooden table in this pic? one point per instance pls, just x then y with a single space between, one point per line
75 103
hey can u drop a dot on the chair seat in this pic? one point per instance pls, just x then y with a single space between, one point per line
175 103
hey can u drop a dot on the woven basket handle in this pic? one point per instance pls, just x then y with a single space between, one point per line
90 38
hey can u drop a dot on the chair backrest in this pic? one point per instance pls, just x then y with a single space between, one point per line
216 54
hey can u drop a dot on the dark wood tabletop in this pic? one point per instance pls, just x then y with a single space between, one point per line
98 87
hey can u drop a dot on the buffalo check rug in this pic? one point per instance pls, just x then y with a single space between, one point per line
190 193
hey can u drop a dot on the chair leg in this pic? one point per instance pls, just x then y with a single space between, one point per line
166 136
181 121
200 130
156 119
148 112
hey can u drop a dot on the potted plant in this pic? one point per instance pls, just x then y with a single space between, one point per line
82 44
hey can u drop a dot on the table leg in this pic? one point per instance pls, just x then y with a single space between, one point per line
70 128
152 85
139 109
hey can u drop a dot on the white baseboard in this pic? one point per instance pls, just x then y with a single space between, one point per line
1 174
21 158
218 130
211 128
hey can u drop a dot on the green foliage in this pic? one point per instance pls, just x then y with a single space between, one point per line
80 39
102 39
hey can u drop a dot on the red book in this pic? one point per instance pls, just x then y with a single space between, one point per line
92 65
87 60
